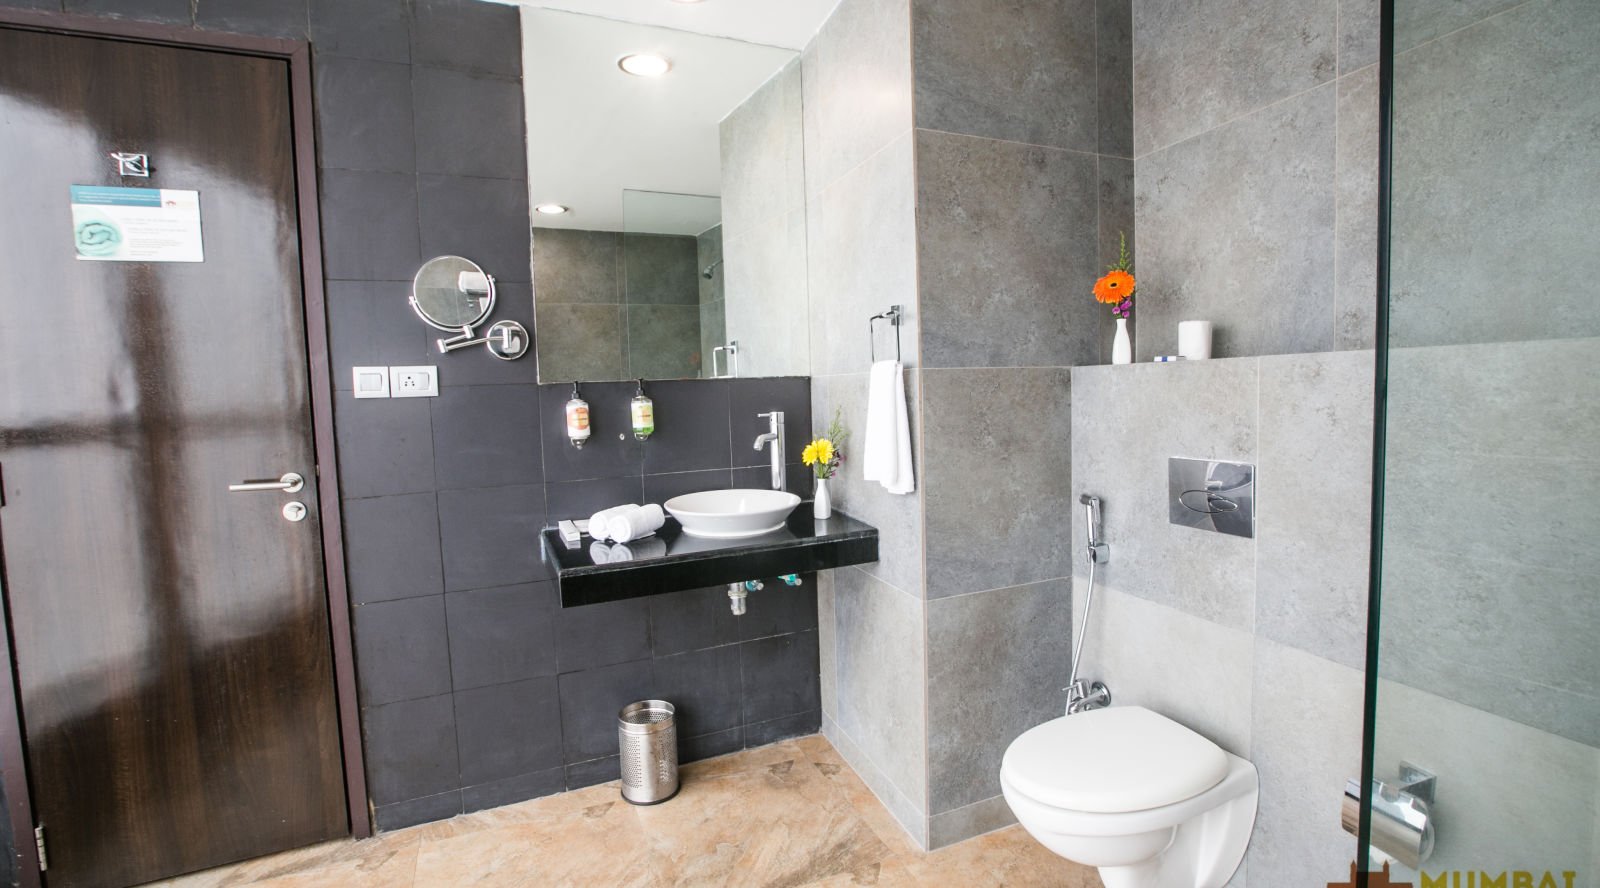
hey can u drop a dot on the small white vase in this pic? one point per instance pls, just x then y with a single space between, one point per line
1122 347
822 501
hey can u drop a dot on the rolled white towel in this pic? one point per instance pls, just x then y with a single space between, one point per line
599 521
600 553
649 547
635 523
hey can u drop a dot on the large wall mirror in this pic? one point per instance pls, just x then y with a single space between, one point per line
679 203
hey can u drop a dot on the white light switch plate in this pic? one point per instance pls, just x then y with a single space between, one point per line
414 382
370 382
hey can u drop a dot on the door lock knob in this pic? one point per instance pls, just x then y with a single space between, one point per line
294 511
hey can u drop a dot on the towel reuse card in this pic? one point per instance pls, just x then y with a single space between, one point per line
886 448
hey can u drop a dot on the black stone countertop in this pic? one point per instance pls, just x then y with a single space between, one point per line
672 560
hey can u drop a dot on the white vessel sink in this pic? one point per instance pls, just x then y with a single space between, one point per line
731 514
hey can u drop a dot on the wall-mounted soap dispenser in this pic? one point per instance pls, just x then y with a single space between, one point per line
643 412
577 419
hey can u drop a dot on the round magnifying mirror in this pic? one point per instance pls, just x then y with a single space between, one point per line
452 293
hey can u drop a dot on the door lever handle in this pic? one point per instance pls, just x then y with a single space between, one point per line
289 483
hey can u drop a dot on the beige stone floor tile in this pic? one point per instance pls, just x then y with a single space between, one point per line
788 815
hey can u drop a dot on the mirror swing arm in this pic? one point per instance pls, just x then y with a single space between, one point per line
454 294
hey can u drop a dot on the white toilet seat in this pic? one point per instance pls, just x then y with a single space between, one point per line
1111 761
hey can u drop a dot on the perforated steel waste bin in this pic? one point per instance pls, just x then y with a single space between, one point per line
647 733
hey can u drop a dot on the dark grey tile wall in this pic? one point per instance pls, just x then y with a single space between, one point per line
476 689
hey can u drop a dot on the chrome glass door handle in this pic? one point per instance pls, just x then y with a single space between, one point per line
291 482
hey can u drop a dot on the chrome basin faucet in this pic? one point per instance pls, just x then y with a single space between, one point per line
774 436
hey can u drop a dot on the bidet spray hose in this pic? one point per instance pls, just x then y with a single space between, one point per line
1083 626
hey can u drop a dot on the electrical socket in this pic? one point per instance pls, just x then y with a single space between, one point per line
413 382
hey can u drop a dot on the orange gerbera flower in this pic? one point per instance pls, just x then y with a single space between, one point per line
1114 287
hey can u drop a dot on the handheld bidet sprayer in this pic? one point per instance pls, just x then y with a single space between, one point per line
1082 695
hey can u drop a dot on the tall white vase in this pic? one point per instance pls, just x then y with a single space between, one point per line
1122 347
822 502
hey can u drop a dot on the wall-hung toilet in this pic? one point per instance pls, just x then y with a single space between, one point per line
1149 802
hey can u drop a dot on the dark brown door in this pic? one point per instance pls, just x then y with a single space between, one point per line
172 639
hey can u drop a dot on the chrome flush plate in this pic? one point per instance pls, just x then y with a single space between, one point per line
1212 494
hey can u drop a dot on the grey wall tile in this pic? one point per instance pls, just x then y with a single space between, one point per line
1356 193
1019 72
784 610
385 446
410 749
467 35
580 342
1513 639
975 819
589 704
467 217
1190 670
692 619
779 676
898 518
510 790
605 455
1358 34
172 12
365 29
1305 741
996 664
879 633
602 634
501 635
1114 76
1316 451
576 266
369 324
784 728
1523 398
660 488
862 92
464 130
580 499
1000 228
404 650
491 536
827 640
364 115
1196 67
660 269
412 812
1237 227
862 234
696 684
664 341
1417 23
469 452
508 729
1493 180
288 19
767 309
691 426
369 225
513 302
749 398
763 159
1126 423
1498 772
392 547
995 490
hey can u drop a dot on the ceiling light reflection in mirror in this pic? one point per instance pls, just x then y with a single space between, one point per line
639 164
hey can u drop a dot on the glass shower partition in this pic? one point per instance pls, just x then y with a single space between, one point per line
1484 671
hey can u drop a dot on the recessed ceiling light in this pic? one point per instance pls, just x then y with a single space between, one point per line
645 64
550 209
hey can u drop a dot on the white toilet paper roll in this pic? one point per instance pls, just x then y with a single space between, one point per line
1194 340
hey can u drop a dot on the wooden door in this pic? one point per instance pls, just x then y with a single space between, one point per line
172 641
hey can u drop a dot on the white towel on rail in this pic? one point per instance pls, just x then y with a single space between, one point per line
886 446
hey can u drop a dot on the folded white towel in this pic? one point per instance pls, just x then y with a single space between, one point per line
599 553
886 445
599 521
637 522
